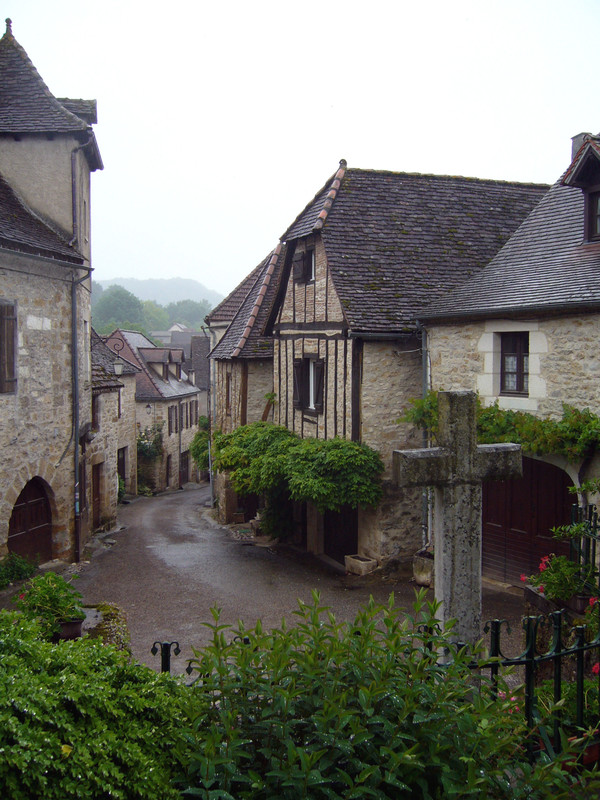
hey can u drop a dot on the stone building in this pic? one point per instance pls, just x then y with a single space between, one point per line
357 266
47 153
525 334
242 367
110 446
167 406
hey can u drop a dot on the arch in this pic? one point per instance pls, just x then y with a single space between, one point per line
517 517
30 526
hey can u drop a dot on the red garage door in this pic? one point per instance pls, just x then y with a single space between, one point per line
517 517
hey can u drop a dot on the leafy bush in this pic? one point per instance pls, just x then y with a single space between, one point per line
77 721
50 599
268 459
576 435
15 568
199 445
329 710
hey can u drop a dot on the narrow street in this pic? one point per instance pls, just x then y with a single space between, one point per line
170 563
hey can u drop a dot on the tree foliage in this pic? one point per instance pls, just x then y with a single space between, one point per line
117 308
576 435
188 312
77 721
199 446
263 457
320 709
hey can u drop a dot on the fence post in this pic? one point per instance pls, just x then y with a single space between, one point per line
165 654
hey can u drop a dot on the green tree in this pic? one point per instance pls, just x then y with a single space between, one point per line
119 308
188 312
155 317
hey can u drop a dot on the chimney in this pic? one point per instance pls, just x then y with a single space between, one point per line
577 141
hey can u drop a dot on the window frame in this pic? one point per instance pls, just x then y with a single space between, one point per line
309 384
517 348
304 266
8 347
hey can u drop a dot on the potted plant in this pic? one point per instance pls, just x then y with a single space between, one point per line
562 580
55 603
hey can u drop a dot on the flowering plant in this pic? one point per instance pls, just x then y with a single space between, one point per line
559 578
50 599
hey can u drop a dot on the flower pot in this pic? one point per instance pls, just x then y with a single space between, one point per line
578 603
69 629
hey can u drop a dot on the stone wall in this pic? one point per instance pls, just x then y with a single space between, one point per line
36 436
563 362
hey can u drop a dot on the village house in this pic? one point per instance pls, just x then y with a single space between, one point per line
357 267
47 153
167 407
242 367
110 446
525 334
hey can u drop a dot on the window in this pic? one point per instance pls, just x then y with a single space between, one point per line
8 331
514 365
304 266
309 376
593 216
96 412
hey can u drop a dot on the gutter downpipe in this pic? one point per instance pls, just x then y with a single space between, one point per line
75 355
425 388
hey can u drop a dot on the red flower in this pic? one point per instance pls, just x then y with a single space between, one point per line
523 576
593 601
544 563
596 668
541 588
21 597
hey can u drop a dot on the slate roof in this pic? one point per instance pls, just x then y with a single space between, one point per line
23 231
228 308
27 106
103 366
545 268
395 241
244 338
149 385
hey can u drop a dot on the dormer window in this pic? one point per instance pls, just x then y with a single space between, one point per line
593 216
304 266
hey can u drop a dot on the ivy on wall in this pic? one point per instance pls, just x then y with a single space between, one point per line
576 435
268 459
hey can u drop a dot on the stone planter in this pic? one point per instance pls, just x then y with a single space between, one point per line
359 565
423 568
69 629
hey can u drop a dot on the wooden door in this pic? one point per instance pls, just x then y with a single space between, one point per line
517 518
184 467
340 533
30 526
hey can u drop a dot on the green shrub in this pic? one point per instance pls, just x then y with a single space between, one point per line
15 568
78 721
361 710
50 599
199 446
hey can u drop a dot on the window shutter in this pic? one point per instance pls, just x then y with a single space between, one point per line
8 324
298 383
170 418
319 385
298 267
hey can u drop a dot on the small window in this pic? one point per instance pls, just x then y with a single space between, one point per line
309 376
514 367
593 216
8 331
304 266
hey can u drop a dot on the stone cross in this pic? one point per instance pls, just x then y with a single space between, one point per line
456 469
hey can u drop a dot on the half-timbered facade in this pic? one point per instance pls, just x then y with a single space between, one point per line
362 260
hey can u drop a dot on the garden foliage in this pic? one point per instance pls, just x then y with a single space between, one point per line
15 568
362 710
576 435
264 458
199 446
77 721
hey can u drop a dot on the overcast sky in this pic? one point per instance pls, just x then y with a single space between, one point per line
219 121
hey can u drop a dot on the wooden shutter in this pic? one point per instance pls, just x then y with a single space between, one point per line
8 328
319 375
299 267
170 418
299 383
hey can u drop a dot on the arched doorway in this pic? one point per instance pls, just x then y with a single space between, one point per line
30 526
517 517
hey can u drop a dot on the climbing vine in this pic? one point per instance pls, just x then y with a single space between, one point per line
268 459
576 435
